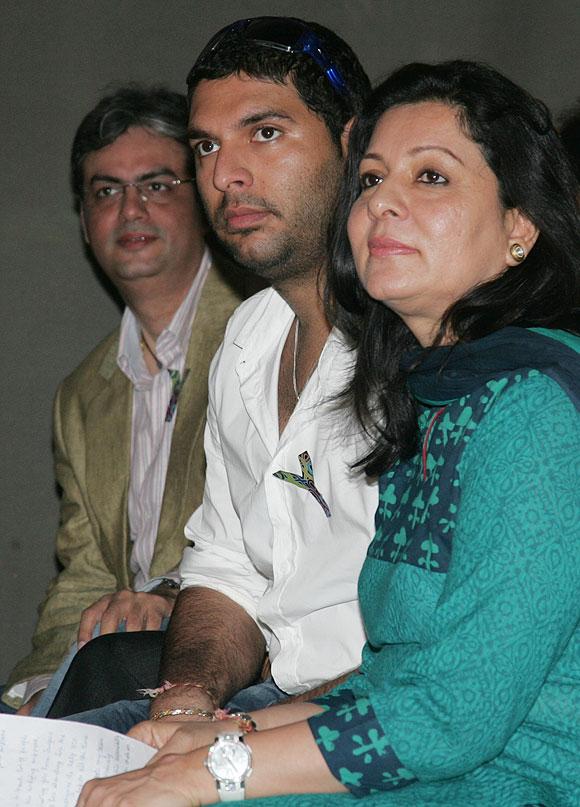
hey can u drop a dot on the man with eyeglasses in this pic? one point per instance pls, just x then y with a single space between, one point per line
284 524
128 422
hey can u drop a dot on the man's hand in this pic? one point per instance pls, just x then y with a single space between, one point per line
26 708
139 610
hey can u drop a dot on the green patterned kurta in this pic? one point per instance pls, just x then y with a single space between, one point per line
470 684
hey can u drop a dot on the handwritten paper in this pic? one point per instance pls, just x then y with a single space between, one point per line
45 763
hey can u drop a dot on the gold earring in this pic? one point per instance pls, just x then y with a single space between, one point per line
517 252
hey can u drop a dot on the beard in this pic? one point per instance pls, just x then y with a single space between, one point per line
300 247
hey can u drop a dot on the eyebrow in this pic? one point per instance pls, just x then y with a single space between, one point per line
452 154
157 172
372 155
250 120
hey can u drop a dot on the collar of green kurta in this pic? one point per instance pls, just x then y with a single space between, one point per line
447 373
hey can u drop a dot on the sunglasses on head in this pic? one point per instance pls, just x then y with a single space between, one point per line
285 34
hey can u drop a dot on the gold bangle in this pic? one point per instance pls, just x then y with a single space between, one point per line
174 712
154 693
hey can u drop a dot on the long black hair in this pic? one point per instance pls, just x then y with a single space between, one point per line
517 138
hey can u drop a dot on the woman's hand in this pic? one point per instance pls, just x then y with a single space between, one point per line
175 737
170 783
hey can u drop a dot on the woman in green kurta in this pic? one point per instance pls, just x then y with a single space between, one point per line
464 309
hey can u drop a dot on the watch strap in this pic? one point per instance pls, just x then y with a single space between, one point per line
234 791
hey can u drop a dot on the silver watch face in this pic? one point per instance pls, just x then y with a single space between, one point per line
229 760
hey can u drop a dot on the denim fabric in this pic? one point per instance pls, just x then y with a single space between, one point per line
123 715
40 709
120 716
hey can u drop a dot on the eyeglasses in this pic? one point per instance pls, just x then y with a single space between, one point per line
286 34
103 194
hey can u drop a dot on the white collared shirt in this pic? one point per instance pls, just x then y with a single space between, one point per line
267 543
151 433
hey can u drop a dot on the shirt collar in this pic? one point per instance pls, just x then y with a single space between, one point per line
272 318
172 344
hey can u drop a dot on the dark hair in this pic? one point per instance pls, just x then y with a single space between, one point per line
237 54
520 145
157 109
570 134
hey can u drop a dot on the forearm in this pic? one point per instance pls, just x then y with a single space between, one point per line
284 760
173 737
320 690
212 642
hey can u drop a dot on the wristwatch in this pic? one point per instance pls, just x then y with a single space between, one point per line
168 582
229 760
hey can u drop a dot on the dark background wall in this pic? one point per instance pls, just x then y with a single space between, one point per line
56 59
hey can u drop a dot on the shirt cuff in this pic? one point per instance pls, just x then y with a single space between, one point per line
156 581
354 745
24 690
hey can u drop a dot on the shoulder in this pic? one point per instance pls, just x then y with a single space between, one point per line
512 374
508 424
261 310
95 370
223 287
545 384
525 424
530 396
253 330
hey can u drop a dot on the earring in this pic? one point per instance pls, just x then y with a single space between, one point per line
517 252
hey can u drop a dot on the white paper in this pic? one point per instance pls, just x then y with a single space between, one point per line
45 763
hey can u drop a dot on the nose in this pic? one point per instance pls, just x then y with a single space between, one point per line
386 200
133 203
230 170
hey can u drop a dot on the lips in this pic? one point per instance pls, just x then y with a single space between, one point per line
136 241
384 247
244 217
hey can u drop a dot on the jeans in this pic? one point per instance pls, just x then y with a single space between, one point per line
123 715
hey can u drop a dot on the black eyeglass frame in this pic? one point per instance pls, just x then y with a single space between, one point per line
286 34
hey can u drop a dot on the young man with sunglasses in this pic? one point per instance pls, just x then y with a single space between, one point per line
284 525
128 422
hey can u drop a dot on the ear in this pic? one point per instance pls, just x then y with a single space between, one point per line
345 136
522 231
84 227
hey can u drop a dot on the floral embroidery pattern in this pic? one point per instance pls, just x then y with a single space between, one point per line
306 481
415 523
354 745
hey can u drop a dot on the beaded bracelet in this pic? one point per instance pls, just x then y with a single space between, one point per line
245 721
153 693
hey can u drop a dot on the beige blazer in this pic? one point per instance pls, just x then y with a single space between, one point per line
92 445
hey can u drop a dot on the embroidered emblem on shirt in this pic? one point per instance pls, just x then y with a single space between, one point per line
306 481
177 383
